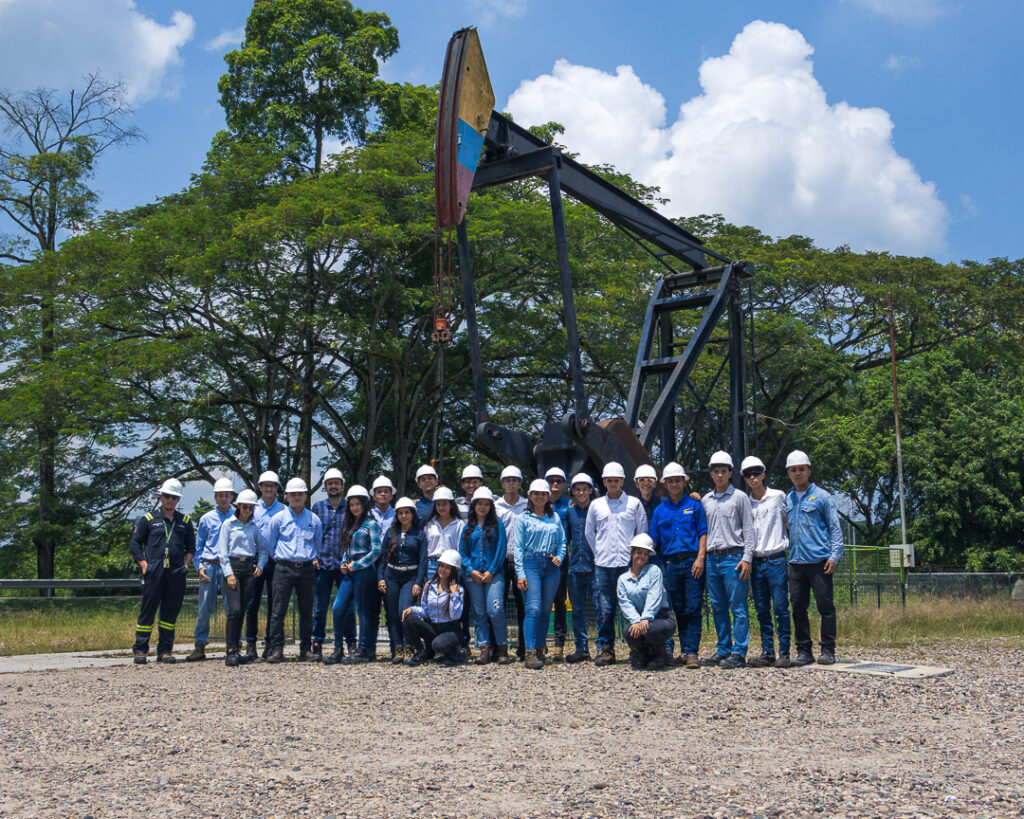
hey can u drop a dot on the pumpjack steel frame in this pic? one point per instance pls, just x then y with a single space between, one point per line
576 443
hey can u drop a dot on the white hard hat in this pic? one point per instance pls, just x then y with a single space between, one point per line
673 470
511 471
472 471
582 477
223 485
357 491
333 474
269 477
751 462
721 458
540 485
483 493
797 458
555 472
444 493
452 558
246 496
405 503
645 471
642 541
613 469
172 486
383 482
426 469
296 485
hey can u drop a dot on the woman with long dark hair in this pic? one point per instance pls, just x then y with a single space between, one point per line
401 571
482 547
443 527
538 542
434 627
359 548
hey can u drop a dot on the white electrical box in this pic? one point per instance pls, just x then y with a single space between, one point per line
901 555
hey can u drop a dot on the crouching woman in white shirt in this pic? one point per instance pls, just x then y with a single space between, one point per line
434 628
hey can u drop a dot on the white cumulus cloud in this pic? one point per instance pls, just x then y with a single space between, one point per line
761 145
54 42
229 38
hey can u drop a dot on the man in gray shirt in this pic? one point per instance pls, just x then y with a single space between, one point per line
731 544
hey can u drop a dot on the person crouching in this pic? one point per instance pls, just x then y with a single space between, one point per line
434 628
643 603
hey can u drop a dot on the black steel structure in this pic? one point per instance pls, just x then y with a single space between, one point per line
695 279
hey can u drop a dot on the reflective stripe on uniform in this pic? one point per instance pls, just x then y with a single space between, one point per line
169 626
141 627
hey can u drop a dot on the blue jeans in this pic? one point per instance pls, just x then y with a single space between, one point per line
343 630
397 599
685 594
728 595
488 601
769 586
359 590
581 586
542 579
208 599
606 582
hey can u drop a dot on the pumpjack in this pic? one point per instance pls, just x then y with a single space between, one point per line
477 147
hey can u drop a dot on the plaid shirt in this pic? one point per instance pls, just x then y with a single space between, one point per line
364 549
331 518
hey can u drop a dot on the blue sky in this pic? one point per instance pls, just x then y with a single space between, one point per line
884 124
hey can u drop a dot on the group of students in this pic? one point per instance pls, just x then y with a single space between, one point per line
439 563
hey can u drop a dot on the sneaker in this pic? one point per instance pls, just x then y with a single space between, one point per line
275 656
803 658
692 661
765 660
577 656
198 653
733 661
166 658
826 657
335 656
783 661
606 656
139 658
714 659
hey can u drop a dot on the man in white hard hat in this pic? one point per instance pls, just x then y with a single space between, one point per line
294 536
555 476
731 543
207 561
644 604
680 534
580 562
509 507
815 548
266 507
769 584
162 543
328 576
472 479
383 492
612 522
426 480
646 481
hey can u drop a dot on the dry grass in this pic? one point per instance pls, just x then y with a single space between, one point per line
41 626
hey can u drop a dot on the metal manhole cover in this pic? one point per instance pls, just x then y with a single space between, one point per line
882 668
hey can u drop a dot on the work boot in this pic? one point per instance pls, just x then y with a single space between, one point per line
521 652
352 648
542 653
532 661
316 654
485 656
400 655
418 658
659 659
765 660
198 653
692 661
638 659
826 657
250 652
358 656
605 657
714 659
577 656
502 655
231 659
803 658
275 656
166 657
557 654
783 661
306 656
266 650
139 658
733 661
335 657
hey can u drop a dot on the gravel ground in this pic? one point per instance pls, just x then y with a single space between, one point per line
378 740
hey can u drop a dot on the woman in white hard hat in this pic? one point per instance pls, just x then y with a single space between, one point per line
434 627
645 606
243 554
401 572
443 527
510 506
482 548
538 541
360 548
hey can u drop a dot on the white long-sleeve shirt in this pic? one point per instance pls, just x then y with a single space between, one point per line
507 514
770 521
440 537
611 525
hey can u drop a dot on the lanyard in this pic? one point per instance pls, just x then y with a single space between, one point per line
168 531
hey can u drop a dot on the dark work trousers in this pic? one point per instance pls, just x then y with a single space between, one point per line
302 578
441 638
653 642
164 589
252 611
467 610
237 598
686 596
397 599
512 583
560 597
803 577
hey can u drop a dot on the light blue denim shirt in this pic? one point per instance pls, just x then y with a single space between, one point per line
436 607
237 539
814 531
537 536
294 537
263 514
641 598
206 535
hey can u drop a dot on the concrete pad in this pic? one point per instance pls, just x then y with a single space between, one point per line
878 669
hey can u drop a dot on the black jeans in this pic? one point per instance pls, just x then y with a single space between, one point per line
442 638
658 632
560 598
511 583
803 577
302 578
252 610
397 599
237 599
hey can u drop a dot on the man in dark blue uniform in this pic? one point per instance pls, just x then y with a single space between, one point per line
162 543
